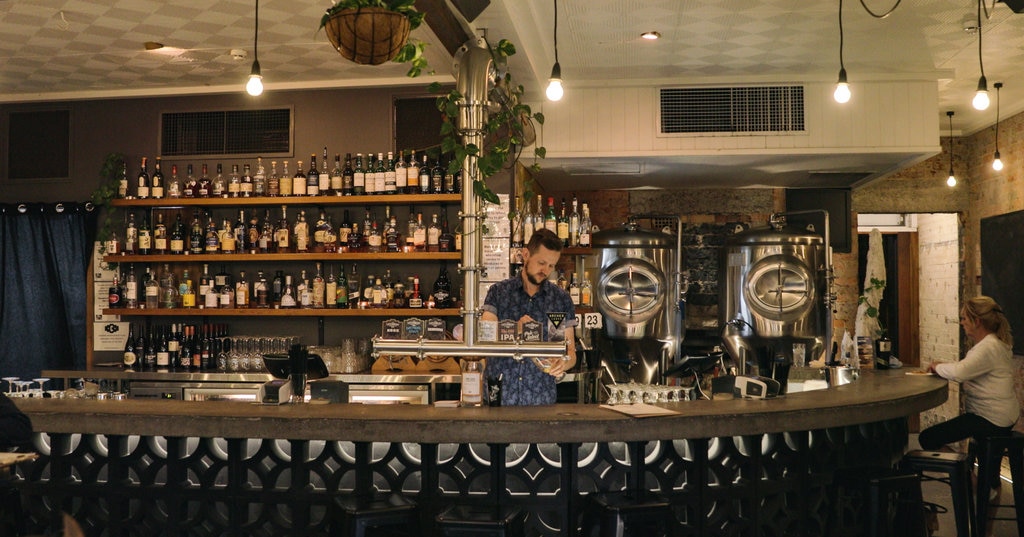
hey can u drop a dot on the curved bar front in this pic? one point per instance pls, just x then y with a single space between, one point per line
736 467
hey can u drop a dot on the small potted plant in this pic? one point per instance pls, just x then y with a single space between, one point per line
371 32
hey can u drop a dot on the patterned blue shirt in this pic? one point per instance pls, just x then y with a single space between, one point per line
522 382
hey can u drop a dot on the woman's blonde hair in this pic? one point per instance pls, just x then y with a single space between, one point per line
985 310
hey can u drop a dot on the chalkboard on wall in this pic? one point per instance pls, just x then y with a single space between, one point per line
1002 268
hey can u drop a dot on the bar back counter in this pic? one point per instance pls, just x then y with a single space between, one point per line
729 467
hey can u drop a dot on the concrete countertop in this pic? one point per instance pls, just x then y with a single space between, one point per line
876 396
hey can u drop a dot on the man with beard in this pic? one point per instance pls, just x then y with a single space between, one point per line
531 297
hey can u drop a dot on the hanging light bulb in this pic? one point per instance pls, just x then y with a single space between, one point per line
842 92
254 86
980 101
997 163
554 91
951 180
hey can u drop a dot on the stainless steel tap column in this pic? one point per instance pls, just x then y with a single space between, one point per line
473 67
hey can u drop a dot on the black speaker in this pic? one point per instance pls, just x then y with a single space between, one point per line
471 9
1017 6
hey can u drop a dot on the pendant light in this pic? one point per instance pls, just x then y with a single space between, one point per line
997 163
254 86
981 100
951 181
555 91
842 93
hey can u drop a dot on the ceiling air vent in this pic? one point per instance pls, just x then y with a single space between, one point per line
239 133
733 110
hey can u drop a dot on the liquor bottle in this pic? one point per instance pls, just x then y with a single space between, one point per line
169 295
378 296
227 294
355 238
152 291
113 245
245 187
206 355
139 349
471 383
330 290
410 231
266 240
240 233
283 233
550 219
446 241
341 293
449 178
259 180
131 289
234 182
163 355
380 174
303 291
286 181
562 226
319 232
212 238
185 348
188 296
288 293
344 229
330 236
299 180
401 177
412 173
196 236
191 185
301 234
353 287
433 234
226 237
443 289
145 238
149 358
437 177
156 188
318 289
574 223
174 188
197 348
129 357
142 181
122 182
177 242
115 294
390 175
312 178
419 241
276 289
204 186
174 346
131 236
561 281
574 291
424 179
586 291
337 177
585 228
374 241
416 300
209 294
252 234
391 237
398 298
274 181
517 222
359 177
160 236
242 291
220 183
261 291
324 178
347 176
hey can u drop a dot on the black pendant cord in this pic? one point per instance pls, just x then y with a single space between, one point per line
842 67
556 31
981 63
256 33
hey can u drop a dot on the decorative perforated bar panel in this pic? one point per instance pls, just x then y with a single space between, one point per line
774 484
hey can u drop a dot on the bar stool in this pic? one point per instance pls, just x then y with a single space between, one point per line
990 454
617 514
480 521
957 469
882 487
357 513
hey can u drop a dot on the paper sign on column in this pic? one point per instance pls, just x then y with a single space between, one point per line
109 336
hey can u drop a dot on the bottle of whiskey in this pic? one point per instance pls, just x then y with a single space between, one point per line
359 177
220 183
301 234
131 236
318 289
152 291
285 182
122 183
259 180
142 182
191 185
341 294
261 291
196 237
443 289
324 178
312 178
330 290
347 179
242 291
274 181
131 289
174 185
283 233
177 242
245 188
299 180
425 173
433 235
234 182
390 175
401 176
204 186
157 183
337 176
412 173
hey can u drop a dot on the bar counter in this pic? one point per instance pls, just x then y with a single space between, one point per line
728 467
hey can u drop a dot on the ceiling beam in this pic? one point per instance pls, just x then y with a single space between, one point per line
444 23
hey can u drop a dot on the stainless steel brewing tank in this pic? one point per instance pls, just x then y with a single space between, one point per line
774 298
635 287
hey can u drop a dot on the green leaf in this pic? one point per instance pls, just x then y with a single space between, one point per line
540 151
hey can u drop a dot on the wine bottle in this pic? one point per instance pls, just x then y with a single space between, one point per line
312 178
324 177
156 189
129 357
142 181
145 236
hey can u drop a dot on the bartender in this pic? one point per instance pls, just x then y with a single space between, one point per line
525 298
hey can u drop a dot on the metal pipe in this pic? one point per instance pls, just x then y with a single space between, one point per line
421 348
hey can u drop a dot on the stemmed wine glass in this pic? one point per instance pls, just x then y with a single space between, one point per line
10 384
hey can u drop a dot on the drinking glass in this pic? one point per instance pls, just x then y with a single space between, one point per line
10 384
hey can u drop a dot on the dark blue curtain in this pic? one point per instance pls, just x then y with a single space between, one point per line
45 250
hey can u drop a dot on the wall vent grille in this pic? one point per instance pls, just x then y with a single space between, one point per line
228 132
732 110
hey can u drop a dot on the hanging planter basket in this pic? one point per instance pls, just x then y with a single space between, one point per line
369 35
